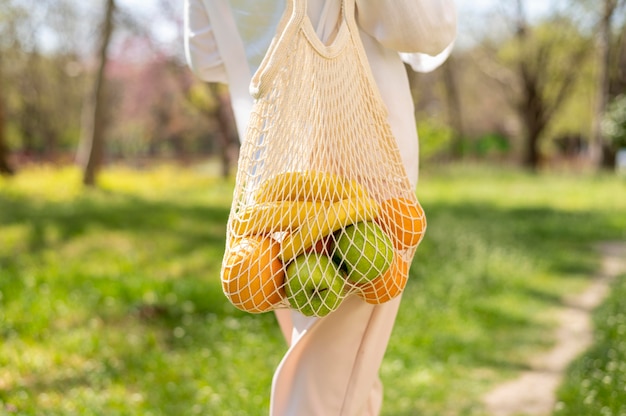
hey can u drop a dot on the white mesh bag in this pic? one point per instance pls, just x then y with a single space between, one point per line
322 207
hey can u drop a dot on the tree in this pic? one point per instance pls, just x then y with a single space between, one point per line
91 149
227 134
617 82
538 68
40 75
601 152
455 114
6 28
5 167
212 101
614 123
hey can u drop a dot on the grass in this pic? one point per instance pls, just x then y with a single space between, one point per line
502 248
110 302
596 382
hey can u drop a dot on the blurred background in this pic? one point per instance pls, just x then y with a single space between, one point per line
531 83
116 178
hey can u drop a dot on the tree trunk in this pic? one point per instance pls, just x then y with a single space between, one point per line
535 111
454 107
5 167
532 157
598 147
227 135
533 116
529 105
91 149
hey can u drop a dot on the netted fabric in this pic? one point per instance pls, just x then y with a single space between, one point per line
322 206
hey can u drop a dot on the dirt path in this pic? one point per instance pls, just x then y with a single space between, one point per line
532 394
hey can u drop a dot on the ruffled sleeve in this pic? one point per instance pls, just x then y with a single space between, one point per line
201 49
424 26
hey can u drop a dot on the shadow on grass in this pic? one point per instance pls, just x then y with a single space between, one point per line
595 382
109 211
483 272
558 239
561 241
49 227
154 320
456 307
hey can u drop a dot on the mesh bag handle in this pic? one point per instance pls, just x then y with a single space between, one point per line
322 206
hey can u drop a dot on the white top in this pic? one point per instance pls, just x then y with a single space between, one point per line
225 41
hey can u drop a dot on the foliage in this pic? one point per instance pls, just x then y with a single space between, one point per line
546 60
575 117
46 64
548 50
435 138
33 83
490 145
155 122
44 126
614 122
596 382
159 110
110 301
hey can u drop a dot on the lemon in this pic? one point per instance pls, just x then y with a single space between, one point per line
364 251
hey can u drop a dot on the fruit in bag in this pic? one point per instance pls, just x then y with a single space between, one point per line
315 285
269 217
328 220
252 275
364 251
388 286
308 186
403 220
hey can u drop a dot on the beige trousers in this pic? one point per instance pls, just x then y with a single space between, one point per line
331 367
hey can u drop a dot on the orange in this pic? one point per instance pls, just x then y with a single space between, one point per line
388 286
253 277
403 220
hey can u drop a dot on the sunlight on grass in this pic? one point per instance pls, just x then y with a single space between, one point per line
558 191
596 382
45 182
167 180
110 299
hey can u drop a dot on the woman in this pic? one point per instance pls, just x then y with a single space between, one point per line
331 366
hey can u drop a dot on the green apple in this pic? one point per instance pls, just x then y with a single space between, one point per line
364 251
315 285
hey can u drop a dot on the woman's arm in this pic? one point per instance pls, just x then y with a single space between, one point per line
201 52
425 26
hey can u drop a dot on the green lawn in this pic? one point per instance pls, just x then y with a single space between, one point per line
110 302
596 383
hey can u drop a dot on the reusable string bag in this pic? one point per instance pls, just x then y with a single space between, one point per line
322 206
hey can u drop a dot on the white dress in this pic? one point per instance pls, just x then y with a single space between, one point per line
331 366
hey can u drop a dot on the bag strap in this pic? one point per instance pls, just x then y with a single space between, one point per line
295 19
286 30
